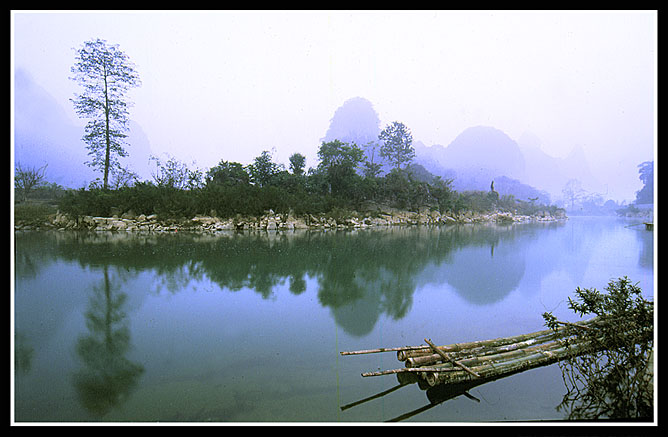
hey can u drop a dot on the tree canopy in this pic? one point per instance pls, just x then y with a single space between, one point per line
106 74
397 144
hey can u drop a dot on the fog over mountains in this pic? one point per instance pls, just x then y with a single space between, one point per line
44 134
481 154
476 156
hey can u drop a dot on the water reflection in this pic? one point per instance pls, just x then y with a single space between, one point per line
66 279
646 239
482 278
107 377
23 353
360 275
436 395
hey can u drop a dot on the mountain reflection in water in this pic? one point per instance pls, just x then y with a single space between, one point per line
124 324
361 276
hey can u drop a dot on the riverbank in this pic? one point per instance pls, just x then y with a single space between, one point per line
270 221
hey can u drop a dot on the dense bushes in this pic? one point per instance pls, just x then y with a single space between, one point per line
230 189
304 194
297 194
168 202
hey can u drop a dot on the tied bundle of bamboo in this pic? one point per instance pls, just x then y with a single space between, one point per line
485 359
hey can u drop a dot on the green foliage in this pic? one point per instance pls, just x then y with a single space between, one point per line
646 175
397 145
32 213
263 169
372 169
397 188
611 380
227 173
297 163
478 201
343 180
176 174
339 162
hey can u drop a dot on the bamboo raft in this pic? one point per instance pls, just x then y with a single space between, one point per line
484 360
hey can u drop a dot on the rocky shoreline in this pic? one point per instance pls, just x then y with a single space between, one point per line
270 221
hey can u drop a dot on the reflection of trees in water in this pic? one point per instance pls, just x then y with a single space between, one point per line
482 278
23 353
614 379
107 376
487 263
646 240
609 385
361 274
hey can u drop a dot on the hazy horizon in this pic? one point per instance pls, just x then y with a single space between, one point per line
230 84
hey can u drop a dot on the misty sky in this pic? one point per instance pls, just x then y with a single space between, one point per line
229 84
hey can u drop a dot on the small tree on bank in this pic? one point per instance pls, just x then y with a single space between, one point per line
28 178
263 169
106 74
297 163
397 144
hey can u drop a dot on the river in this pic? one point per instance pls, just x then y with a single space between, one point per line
248 327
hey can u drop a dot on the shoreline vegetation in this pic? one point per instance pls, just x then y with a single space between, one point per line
380 216
345 191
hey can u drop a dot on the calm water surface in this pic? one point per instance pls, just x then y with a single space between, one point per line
248 327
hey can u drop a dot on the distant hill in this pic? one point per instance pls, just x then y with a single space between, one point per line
551 173
481 154
354 122
474 158
44 134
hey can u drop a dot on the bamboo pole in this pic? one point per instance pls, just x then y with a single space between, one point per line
447 358
457 347
493 370
404 352
424 360
486 359
411 370
382 349
475 362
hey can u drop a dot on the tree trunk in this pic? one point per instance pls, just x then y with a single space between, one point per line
106 131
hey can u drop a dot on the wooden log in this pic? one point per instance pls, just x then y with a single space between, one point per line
457 347
411 370
575 325
495 370
382 349
492 366
424 360
447 358
483 360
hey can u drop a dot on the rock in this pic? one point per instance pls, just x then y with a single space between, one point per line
129 215
118 225
205 220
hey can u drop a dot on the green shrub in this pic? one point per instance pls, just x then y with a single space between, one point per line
611 381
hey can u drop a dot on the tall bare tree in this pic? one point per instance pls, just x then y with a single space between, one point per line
106 74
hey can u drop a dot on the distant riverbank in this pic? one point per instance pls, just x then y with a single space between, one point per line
271 221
